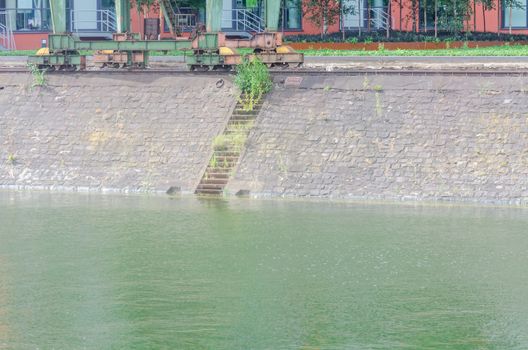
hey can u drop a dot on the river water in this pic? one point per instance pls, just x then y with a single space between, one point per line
117 272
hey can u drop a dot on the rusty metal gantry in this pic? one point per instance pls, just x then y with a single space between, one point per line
205 50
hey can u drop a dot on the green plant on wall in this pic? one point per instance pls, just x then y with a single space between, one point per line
219 143
11 159
254 81
379 107
213 163
234 141
39 75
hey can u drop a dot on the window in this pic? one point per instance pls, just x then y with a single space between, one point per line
515 16
108 4
186 20
291 15
32 15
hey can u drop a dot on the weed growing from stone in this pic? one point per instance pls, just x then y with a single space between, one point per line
213 163
39 75
379 107
221 143
254 81
11 159
282 165
366 83
238 140
235 140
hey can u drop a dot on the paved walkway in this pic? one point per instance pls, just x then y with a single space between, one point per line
343 62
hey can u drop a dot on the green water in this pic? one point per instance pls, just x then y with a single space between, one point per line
112 272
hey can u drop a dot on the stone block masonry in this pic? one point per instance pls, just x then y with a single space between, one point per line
344 137
119 132
392 137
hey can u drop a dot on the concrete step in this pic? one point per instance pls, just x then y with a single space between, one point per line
236 129
243 118
241 109
245 114
216 176
209 192
240 121
214 181
225 160
217 170
227 154
223 165
214 187
222 158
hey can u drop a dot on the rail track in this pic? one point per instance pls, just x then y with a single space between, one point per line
296 72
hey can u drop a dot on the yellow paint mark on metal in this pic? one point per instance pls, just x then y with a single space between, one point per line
227 51
285 49
43 52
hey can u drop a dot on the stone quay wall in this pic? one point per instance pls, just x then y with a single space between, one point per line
115 132
392 137
344 137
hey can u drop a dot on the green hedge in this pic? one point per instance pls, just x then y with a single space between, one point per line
395 36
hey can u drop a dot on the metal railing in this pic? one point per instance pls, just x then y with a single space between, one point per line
242 20
182 19
185 21
379 17
7 40
26 19
102 21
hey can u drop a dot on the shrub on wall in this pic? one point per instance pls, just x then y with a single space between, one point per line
254 81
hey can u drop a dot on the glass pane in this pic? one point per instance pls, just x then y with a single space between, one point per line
108 4
291 15
517 16
25 4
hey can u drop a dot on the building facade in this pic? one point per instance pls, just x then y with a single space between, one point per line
30 20
501 18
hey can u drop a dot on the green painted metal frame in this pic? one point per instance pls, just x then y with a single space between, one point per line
64 48
122 8
58 15
208 42
166 16
72 60
206 59
213 24
66 42
272 15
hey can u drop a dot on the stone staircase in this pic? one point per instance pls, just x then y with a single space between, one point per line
227 148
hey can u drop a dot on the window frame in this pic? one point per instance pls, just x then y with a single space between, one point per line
283 28
504 16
